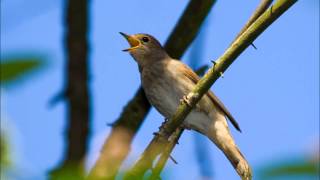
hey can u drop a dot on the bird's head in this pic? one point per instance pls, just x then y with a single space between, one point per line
144 48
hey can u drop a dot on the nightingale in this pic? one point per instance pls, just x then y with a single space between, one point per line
167 81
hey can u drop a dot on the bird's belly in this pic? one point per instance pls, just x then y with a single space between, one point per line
166 100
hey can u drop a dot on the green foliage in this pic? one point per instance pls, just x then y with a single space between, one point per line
13 69
4 151
16 68
292 169
69 171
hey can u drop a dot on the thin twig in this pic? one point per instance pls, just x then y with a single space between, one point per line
263 6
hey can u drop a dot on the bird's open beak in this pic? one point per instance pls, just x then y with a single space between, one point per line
134 42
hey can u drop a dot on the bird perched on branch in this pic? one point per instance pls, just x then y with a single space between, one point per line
167 81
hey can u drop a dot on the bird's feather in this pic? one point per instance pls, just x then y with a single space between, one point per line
195 78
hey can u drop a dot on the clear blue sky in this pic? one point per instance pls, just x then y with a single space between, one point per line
273 92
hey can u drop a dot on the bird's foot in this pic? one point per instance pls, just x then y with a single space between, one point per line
185 99
190 99
184 126
163 123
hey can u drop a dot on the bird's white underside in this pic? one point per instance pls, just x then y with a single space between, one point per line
170 97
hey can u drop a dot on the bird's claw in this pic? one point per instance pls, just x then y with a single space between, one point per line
164 122
185 99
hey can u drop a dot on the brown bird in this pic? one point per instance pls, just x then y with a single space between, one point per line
166 81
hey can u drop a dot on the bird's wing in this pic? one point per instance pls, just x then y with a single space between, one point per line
195 78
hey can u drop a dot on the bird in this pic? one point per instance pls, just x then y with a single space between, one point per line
167 81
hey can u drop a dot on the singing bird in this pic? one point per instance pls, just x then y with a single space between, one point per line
167 81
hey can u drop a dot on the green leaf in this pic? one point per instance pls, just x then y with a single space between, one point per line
13 69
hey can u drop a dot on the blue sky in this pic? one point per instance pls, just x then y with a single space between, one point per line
273 92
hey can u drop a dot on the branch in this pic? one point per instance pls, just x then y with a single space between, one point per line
264 4
78 97
166 154
133 114
236 48
187 27
117 145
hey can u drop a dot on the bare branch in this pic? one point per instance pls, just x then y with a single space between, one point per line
78 97
264 4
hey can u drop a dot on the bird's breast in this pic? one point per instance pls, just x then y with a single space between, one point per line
162 89
165 86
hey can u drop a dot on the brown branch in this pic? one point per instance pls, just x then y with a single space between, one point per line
187 27
126 126
78 99
117 145
159 142
166 154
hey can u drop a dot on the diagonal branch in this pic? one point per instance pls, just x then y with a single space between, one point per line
158 142
166 154
187 27
264 4
117 145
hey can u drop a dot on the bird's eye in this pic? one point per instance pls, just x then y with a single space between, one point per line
145 39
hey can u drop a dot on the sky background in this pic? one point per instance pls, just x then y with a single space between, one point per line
273 92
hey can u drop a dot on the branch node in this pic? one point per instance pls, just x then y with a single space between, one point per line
214 63
173 160
254 46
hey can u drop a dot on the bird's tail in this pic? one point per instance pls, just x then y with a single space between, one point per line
221 136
